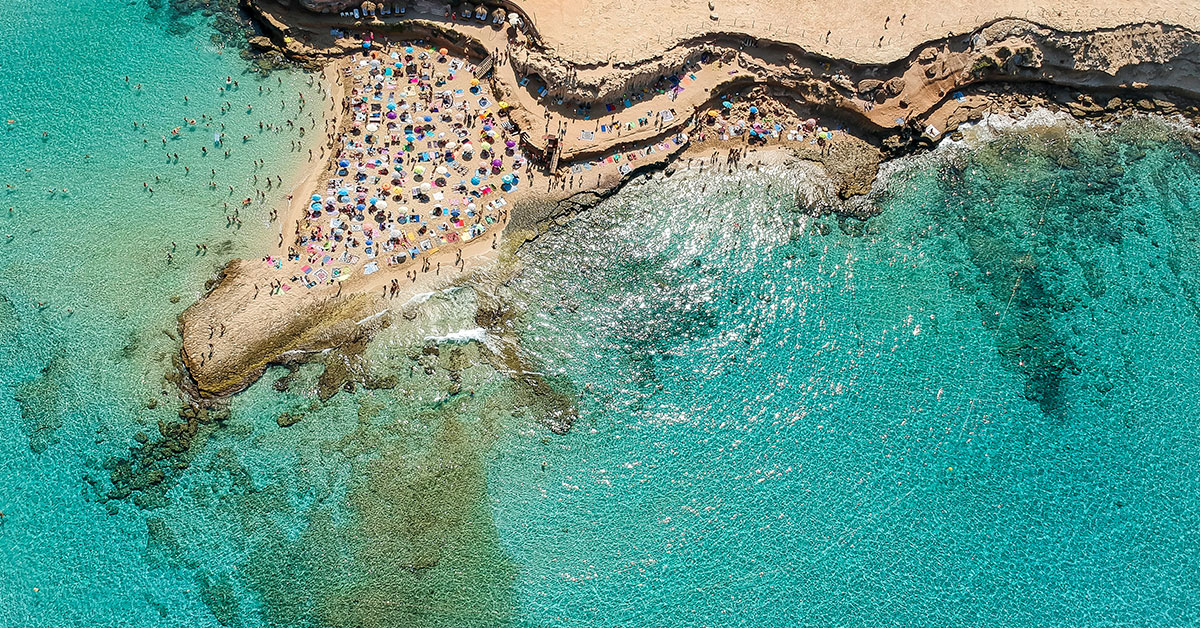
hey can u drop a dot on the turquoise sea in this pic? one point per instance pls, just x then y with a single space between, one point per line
975 409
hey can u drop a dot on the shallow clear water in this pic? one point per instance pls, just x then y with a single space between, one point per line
973 409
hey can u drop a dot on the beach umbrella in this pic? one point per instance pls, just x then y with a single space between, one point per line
508 178
503 104
753 109
374 200
497 163
509 143
391 106
442 51
382 204
343 163
391 115
486 145
474 180
425 187
410 137
474 82
419 170
408 49
726 104
429 118
316 197
366 44
360 207
487 126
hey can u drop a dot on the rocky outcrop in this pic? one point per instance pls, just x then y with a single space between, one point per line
327 6
247 323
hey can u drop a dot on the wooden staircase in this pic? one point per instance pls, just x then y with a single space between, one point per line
485 66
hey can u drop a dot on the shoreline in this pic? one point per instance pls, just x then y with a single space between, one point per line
1008 65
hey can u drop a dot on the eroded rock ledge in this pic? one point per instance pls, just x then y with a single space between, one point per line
233 333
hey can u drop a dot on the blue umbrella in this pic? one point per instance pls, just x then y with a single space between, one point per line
343 191
366 44
507 178
408 49
474 180
374 200
343 163
754 110
316 197
392 106
429 118
410 137
360 207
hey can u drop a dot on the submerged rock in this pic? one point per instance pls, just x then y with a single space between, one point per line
288 419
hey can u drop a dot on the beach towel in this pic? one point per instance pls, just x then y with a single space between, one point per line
587 135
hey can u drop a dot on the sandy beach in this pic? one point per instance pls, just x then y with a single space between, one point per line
395 202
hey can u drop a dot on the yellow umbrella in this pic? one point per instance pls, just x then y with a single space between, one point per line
474 82
503 105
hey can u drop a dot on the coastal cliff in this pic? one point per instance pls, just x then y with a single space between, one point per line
234 332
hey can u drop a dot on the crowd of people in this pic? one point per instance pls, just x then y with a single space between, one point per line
424 163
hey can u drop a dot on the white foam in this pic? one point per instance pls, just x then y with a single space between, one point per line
477 334
419 298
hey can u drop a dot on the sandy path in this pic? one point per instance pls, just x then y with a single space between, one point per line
621 30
